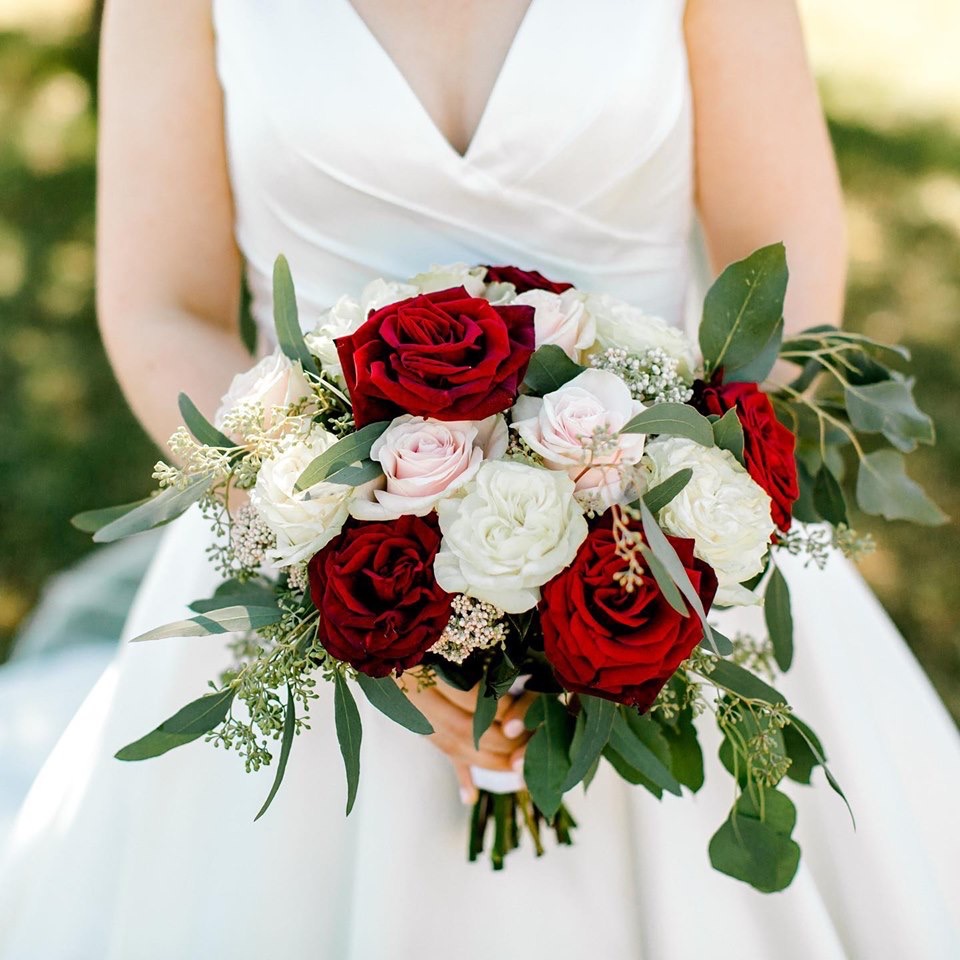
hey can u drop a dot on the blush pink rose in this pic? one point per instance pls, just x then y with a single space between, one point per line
561 319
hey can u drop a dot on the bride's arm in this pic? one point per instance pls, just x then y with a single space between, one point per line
168 269
765 166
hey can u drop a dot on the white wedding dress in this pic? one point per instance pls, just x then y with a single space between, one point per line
582 168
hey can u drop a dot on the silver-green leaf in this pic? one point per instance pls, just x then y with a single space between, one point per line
672 419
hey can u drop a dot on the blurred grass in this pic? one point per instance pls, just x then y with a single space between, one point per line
68 441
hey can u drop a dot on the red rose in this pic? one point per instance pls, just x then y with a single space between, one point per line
445 355
524 280
606 642
380 606
768 446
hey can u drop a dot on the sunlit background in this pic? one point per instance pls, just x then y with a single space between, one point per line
891 82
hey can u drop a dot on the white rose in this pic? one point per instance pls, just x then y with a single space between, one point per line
426 460
274 382
517 527
343 318
303 522
722 509
499 293
442 277
561 318
561 425
379 293
620 324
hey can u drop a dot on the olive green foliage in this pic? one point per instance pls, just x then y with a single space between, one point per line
68 441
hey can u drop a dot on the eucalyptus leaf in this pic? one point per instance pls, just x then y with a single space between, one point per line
153 512
804 507
247 593
884 489
349 734
549 369
743 310
384 694
483 714
289 728
90 521
656 498
626 742
740 681
351 449
828 499
686 757
664 581
355 475
186 725
779 618
722 646
590 737
728 434
813 743
672 419
546 761
286 319
889 408
758 369
203 431
231 619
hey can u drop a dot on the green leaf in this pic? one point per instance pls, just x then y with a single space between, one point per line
351 449
828 499
672 419
224 620
626 742
245 321
656 498
349 733
483 714
354 475
743 310
884 489
728 434
813 743
686 757
590 736
289 334
384 694
802 758
630 774
779 618
549 369
289 728
759 852
722 646
153 512
248 593
664 581
186 725
546 761
204 431
741 731
743 683
90 521
889 408
758 369
665 553
804 508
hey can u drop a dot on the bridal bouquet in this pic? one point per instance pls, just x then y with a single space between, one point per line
489 478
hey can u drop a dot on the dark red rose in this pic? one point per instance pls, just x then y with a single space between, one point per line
445 355
768 446
606 642
524 280
380 606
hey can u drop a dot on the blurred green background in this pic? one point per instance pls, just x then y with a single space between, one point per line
68 441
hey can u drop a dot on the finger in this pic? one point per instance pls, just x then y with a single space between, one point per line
512 721
495 741
468 790
461 751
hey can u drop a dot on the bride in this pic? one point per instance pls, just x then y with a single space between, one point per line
367 138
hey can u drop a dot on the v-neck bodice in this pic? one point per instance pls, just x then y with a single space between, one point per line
581 165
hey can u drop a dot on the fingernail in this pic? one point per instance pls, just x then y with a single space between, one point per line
513 729
467 797
517 765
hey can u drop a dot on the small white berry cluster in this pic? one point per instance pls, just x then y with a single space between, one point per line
250 538
297 577
474 625
652 376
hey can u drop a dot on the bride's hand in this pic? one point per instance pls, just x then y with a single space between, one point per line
450 712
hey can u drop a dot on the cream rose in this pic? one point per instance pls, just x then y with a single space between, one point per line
273 382
302 522
517 527
561 319
426 460
722 509
442 277
620 324
561 425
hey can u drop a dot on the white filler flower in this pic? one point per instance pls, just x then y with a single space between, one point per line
722 509
517 527
620 324
426 460
302 522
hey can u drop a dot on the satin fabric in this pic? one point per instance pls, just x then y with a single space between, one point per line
581 167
